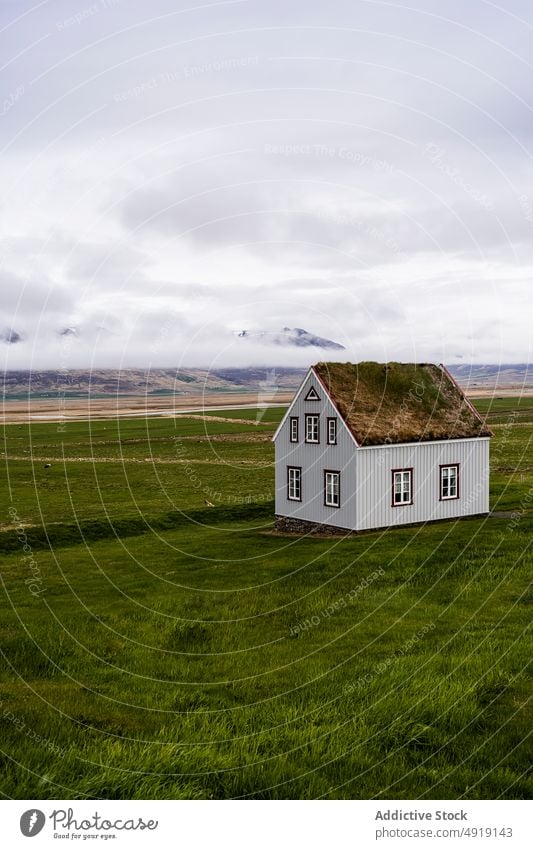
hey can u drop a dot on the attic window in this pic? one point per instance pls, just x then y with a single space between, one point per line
312 395
332 431
294 429
312 428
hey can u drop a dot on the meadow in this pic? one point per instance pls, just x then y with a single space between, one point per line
155 646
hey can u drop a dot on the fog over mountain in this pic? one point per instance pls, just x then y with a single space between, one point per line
10 337
295 337
172 176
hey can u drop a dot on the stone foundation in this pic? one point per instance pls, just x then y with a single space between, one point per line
290 525
302 527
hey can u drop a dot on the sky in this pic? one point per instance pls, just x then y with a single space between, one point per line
176 172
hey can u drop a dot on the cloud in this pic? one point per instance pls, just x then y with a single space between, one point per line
173 175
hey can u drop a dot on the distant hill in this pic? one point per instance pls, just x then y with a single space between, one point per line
157 381
493 375
196 381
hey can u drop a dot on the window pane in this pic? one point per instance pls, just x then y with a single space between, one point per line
453 482
332 489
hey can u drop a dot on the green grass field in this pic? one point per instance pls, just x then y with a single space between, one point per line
156 647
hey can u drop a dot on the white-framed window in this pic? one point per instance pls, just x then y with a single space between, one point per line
294 429
332 489
402 487
332 431
449 482
294 483
312 431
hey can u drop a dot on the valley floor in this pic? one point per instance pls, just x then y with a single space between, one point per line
158 647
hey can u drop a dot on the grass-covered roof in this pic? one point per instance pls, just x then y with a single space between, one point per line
384 403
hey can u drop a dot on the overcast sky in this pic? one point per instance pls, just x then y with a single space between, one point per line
172 175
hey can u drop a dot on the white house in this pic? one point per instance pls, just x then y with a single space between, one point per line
372 445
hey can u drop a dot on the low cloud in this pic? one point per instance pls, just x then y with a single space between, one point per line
173 178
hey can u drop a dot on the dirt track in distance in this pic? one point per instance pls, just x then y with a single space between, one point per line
69 409
61 409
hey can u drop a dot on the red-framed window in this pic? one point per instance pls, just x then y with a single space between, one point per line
293 428
294 483
312 427
402 487
449 482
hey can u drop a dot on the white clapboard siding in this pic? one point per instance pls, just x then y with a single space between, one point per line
314 459
374 482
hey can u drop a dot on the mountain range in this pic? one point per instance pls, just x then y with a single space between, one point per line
197 381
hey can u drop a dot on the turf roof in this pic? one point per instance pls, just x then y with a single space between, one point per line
389 403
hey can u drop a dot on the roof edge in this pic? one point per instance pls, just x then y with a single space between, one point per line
332 400
441 441
293 402
472 408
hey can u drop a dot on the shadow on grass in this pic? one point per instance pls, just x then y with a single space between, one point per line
64 535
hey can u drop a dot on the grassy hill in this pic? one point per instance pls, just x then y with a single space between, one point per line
156 647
